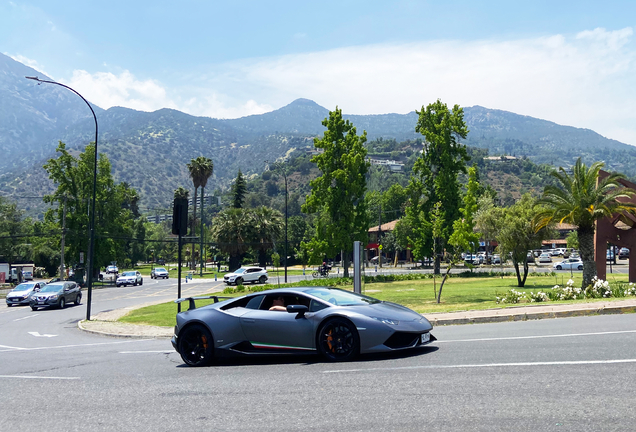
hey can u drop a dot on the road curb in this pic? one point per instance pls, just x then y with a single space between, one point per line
121 330
611 310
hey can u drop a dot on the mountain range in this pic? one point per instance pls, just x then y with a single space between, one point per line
149 150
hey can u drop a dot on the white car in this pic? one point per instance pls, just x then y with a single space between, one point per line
569 264
21 294
159 272
246 274
545 258
130 278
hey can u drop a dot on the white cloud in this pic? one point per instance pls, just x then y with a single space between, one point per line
29 62
583 80
107 90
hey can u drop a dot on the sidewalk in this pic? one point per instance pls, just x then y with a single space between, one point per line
105 323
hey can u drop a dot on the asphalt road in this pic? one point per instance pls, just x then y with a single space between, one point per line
573 374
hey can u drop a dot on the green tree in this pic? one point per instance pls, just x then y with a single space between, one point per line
12 226
239 190
200 170
464 238
435 174
572 240
517 234
339 192
580 199
267 227
232 229
114 213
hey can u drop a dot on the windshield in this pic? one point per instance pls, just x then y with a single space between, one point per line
129 274
24 287
240 271
340 297
52 288
160 269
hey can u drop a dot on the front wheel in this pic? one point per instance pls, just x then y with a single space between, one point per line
239 281
33 308
141 282
316 274
78 299
196 346
580 267
559 268
338 340
62 303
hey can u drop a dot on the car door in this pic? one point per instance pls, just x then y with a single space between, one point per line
278 330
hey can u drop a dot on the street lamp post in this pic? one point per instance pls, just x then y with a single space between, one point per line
91 241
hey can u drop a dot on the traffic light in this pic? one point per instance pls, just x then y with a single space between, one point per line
180 216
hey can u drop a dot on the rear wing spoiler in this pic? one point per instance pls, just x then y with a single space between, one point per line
191 300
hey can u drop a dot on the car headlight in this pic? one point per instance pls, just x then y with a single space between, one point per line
53 297
386 320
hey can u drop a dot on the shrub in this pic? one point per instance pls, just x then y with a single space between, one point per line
512 296
538 297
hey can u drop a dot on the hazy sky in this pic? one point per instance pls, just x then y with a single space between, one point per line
571 62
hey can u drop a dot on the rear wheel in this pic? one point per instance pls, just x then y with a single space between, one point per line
262 279
338 340
196 346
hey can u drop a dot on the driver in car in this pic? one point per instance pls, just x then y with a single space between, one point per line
278 304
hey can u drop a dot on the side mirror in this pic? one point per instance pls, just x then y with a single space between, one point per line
301 310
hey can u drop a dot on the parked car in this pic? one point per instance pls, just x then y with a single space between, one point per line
623 253
332 322
545 258
159 272
610 256
130 278
112 269
246 274
57 294
496 259
569 264
27 275
530 258
21 294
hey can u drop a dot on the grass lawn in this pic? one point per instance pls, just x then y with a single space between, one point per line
459 293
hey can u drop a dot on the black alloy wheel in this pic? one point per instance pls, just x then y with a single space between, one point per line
196 346
62 303
338 340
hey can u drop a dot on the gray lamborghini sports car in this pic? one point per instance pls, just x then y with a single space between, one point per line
335 323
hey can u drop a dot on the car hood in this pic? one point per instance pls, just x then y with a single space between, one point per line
388 310
127 277
19 293
46 294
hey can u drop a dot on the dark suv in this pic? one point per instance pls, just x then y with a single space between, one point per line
56 294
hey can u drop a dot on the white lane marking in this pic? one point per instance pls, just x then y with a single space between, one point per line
147 352
37 334
536 337
26 317
11 348
38 377
488 365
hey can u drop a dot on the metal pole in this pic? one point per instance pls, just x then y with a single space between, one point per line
179 275
91 240
285 225
62 241
201 236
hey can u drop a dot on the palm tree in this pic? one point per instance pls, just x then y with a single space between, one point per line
581 199
232 229
200 170
268 226
207 167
